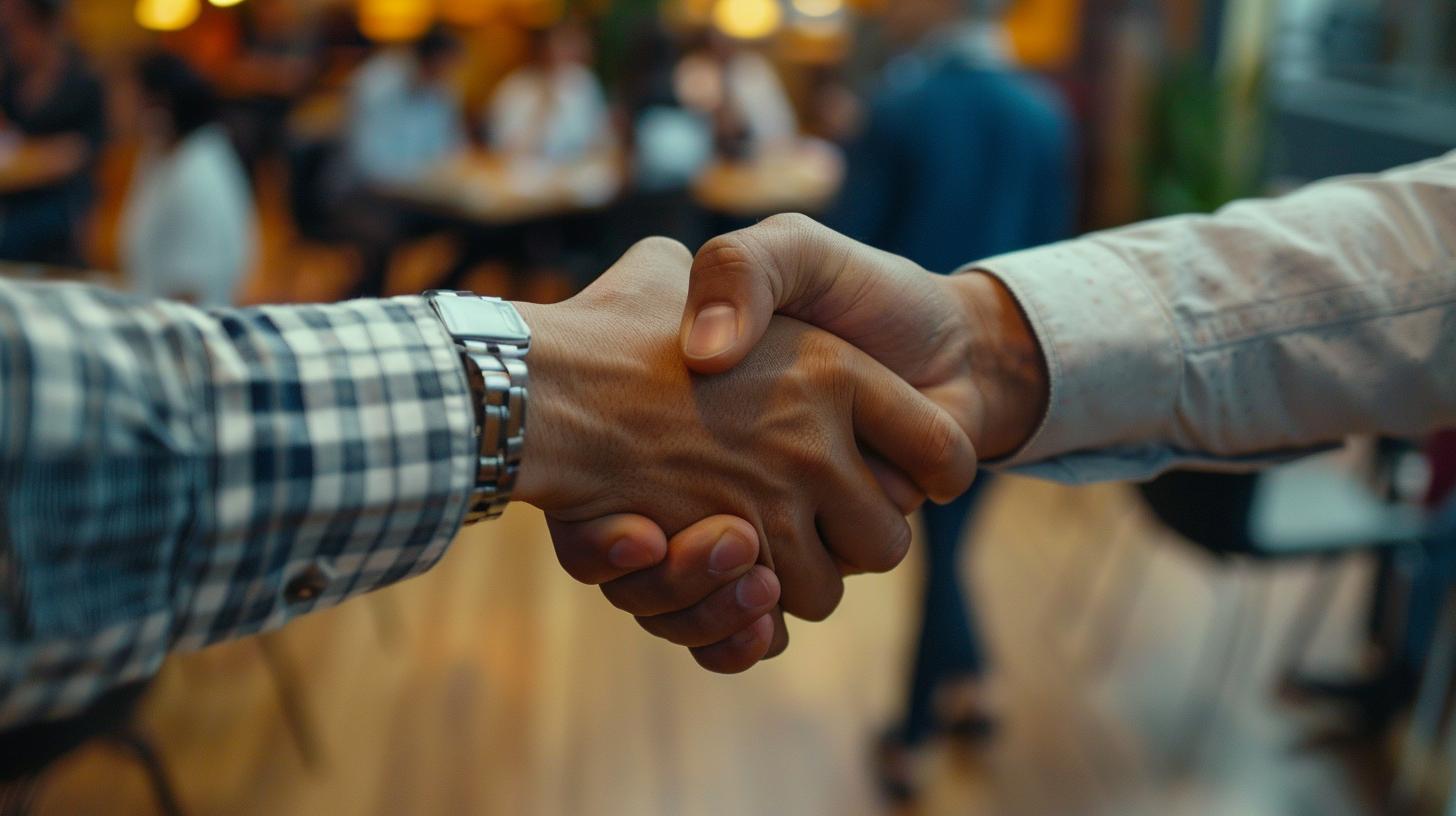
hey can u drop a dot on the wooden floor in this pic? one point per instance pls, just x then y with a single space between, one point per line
495 685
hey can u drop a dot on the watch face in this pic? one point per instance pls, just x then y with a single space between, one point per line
475 319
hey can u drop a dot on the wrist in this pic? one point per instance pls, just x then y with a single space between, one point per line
541 460
562 467
1008 367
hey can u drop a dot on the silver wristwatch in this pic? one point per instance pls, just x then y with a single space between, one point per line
493 341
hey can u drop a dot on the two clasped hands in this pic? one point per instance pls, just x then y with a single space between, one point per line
718 439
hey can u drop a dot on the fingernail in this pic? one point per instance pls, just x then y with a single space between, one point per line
755 591
732 553
628 553
714 330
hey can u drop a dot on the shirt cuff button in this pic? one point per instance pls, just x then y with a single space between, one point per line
308 584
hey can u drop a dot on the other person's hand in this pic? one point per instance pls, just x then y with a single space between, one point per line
959 339
620 426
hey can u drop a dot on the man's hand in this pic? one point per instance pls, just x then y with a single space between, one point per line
961 340
620 426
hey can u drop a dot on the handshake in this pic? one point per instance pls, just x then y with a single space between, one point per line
717 440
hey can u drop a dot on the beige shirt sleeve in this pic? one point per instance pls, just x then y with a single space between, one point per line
1267 328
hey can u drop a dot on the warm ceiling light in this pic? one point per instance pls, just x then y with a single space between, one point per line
167 15
747 19
225 3
538 13
395 20
467 12
818 8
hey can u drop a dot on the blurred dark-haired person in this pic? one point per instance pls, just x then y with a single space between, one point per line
188 229
739 89
277 60
55 106
552 108
961 156
405 119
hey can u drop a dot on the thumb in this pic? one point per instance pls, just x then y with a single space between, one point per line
739 280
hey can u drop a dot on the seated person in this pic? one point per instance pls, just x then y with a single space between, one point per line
404 116
53 101
188 229
551 108
404 121
740 90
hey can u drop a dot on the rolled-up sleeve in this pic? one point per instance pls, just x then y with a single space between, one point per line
1266 329
174 477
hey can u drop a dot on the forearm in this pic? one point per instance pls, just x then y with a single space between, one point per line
174 477
1271 326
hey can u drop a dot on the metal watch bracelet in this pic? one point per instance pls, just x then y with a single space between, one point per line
500 398
497 373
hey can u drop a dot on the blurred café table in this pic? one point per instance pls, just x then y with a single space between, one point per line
801 177
52 274
319 117
496 190
26 165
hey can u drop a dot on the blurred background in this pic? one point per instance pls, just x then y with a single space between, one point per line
1282 643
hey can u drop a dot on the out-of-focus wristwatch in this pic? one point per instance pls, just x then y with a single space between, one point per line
493 341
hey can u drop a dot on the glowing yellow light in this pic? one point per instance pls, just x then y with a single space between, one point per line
538 13
167 15
395 20
747 19
225 3
818 8
467 12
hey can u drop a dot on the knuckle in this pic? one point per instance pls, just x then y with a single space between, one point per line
724 257
895 548
818 605
790 222
574 563
941 446
670 247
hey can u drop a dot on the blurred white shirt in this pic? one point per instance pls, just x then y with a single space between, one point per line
188 229
558 115
748 86
399 128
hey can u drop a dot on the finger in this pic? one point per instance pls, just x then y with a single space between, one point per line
740 279
779 640
728 610
705 557
900 490
739 652
860 525
911 432
607 548
812 585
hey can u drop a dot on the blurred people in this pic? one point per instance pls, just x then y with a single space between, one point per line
741 92
188 230
961 157
404 121
404 115
668 143
53 101
552 108
277 60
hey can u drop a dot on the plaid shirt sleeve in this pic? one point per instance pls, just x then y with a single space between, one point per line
173 477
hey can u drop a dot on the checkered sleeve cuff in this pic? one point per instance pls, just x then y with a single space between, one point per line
174 477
